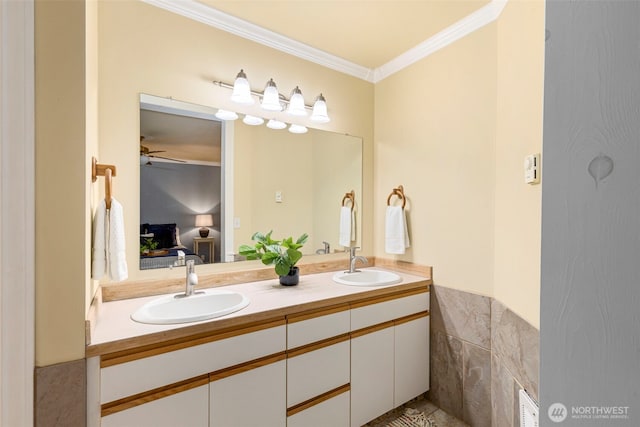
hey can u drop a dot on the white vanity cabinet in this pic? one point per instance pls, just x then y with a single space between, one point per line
389 354
318 368
177 383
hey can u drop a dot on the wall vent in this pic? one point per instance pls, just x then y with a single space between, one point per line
528 410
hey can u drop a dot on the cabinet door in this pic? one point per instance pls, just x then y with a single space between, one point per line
371 375
333 412
411 359
249 399
187 408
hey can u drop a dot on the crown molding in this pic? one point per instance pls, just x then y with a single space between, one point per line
207 15
478 19
223 21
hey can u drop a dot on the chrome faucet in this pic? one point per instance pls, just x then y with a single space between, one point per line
326 250
191 280
353 259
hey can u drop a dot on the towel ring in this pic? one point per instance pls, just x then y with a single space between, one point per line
349 196
399 191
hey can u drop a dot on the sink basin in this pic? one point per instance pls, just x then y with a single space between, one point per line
201 306
367 278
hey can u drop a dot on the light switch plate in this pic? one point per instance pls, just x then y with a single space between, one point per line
532 169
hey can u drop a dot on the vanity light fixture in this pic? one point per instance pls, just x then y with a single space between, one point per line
241 90
272 100
296 103
298 129
271 97
226 115
252 120
276 124
319 113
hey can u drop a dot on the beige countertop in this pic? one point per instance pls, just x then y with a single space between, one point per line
114 331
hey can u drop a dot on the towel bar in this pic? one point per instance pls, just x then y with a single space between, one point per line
108 171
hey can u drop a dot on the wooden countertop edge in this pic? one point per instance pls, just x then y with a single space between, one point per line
216 325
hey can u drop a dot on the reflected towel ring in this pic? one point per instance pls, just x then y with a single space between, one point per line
399 191
349 196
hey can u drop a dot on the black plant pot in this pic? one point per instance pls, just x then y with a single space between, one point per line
292 278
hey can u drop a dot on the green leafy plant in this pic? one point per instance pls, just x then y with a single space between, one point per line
284 254
148 245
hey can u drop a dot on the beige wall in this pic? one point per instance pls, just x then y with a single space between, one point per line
444 128
518 133
65 125
454 129
435 135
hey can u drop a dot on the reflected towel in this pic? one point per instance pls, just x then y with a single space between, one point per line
346 226
99 255
117 256
396 233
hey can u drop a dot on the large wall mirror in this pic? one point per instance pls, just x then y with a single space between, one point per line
207 185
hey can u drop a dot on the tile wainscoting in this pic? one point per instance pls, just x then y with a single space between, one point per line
61 395
481 355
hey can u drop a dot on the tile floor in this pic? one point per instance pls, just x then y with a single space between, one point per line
437 415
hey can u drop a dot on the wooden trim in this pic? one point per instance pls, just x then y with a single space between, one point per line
151 395
404 266
312 314
411 317
371 329
384 298
318 399
318 345
179 344
247 366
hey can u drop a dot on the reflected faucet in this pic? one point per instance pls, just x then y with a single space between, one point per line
191 280
326 250
353 259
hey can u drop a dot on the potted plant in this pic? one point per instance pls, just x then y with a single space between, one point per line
284 254
148 246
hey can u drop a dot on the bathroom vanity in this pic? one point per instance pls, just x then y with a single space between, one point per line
316 354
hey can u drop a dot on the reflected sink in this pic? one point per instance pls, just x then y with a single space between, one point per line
200 306
367 278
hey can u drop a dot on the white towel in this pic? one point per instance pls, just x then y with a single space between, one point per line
346 226
117 256
396 233
109 254
99 256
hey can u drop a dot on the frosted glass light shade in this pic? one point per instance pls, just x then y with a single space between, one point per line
252 120
241 90
271 97
296 103
226 115
276 124
319 113
297 129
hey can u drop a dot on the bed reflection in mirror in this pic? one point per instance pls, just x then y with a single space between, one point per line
206 185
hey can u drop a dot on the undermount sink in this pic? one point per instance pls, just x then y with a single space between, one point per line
203 305
367 278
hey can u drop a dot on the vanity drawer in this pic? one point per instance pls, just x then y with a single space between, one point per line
332 412
313 373
135 376
306 328
372 313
